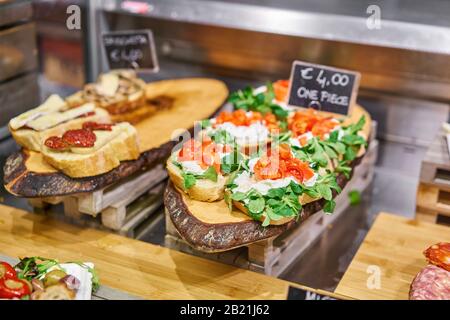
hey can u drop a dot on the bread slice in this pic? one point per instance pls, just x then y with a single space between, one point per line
110 148
204 190
32 139
56 292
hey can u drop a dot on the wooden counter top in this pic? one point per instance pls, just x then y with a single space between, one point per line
136 267
394 244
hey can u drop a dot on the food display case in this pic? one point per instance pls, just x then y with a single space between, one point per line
288 202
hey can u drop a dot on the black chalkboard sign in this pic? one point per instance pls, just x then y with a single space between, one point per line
323 88
133 49
301 294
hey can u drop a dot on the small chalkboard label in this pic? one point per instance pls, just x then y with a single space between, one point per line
132 49
302 294
323 88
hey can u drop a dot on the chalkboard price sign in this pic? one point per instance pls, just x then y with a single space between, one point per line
133 49
323 88
302 294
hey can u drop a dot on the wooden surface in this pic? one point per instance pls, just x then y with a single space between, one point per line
28 175
394 244
212 227
132 266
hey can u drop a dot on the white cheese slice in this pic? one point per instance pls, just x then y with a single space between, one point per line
108 84
54 103
53 119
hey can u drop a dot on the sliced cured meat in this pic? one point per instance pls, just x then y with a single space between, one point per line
432 283
439 255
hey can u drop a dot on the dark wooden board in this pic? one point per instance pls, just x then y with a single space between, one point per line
26 173
216 237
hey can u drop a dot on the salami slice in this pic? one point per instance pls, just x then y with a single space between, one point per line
439 255
432 283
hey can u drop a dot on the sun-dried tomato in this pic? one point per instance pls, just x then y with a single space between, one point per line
56 143
80 138
91 125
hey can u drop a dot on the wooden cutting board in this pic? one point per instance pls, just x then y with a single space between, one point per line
138 268
394 244
28 175
212 227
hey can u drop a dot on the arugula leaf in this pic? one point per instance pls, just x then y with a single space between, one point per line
329 206
354 197
238 196
324 191
206 123
223 137
227 199
209 174
247 100
276 193
189 180
256 206
231 162
350 154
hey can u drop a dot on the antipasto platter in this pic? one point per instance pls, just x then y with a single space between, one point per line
252 173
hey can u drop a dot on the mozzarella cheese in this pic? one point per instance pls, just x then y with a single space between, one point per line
54 103
53 119
192 167
245 135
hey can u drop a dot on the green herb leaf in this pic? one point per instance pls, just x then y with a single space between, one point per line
324 191
189 180
329 206
209 174
276 193
354 197
256 206
238 196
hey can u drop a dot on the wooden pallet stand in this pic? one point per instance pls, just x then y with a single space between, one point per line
121 207
433 191
273 256
432 204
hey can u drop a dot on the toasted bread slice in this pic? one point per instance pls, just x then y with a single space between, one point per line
52 118
110 148
56 292
203 190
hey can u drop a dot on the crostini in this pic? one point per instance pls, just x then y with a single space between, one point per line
53 117
93 149
200 168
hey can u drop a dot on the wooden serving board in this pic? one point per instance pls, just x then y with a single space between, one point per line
28 175
138 268
395 245
212 227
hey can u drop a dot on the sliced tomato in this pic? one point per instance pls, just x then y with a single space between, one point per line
280 88
13 288
7 271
